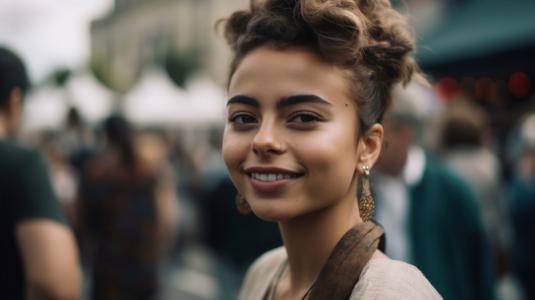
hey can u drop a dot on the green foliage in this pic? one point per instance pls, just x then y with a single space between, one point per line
180 66
60 76
101 75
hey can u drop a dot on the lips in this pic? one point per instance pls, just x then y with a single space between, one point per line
270 180
270 177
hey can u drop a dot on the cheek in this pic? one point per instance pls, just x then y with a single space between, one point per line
331 167
331 155
335 163
234 150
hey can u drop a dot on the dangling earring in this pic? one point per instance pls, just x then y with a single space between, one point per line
366 205
242 205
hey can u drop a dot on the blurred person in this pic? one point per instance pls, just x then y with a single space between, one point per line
63 176
463 145
308 87
522 206
213 169
127 214
39 257
430 214
78 141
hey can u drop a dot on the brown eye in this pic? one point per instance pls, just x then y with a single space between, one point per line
242 119
304 118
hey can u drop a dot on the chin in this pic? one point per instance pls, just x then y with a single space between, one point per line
272 214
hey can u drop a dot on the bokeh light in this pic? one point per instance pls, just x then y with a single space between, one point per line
447 88
519 85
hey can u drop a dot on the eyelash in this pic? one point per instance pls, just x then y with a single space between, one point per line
233 119
237 119
314 117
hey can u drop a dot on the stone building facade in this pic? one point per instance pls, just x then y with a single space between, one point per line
140 33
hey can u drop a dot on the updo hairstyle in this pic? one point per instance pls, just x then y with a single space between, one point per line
367 37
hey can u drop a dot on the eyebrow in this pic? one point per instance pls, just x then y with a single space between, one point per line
241 99
283 103
299 99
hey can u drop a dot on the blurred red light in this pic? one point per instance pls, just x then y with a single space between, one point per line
519 85
447 88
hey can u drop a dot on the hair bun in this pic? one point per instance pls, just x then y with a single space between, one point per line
235 26
339 27
367 37
388 62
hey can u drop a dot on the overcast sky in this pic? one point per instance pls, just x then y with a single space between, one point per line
49 33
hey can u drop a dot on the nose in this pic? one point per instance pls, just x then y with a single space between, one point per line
267 140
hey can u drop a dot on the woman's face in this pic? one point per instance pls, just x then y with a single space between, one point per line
290 142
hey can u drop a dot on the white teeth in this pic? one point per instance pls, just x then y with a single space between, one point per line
271 176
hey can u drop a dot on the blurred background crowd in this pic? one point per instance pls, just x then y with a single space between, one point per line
127 107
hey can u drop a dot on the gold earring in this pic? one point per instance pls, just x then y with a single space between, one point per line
242 205
366 205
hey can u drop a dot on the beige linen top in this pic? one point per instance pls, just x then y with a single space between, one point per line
381 278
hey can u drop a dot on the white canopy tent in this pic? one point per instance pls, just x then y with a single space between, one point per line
208 100
44 109
92 99
155 100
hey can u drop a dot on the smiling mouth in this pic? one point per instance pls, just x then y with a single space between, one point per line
271 181
270 177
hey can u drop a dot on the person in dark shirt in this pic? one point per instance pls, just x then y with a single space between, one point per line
39 255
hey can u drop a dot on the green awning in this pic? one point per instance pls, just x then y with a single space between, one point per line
478 28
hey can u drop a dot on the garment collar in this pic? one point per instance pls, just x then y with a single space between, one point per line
415 165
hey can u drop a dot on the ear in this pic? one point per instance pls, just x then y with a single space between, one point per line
369 146
14 102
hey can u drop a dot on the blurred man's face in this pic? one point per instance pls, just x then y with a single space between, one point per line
527 164
398 138
11 113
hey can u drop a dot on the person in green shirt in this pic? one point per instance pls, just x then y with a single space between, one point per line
39 255
431 217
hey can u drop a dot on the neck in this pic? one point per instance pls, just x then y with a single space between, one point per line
310 239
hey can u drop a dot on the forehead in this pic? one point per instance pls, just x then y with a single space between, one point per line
279 73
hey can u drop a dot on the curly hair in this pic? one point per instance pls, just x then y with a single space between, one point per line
367 37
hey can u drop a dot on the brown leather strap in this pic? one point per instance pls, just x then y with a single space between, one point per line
344 266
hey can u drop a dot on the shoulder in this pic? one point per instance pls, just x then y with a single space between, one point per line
443 179
14 154
20 166
437 169
268 263
273 257
392 279
261 273
26 181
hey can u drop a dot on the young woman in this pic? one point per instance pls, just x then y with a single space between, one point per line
308 87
